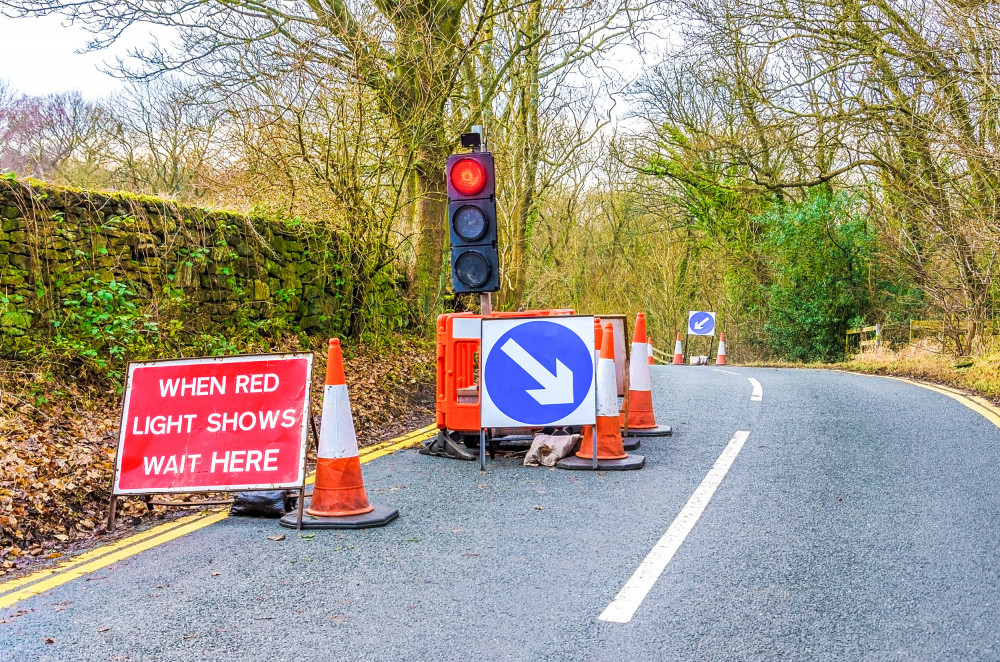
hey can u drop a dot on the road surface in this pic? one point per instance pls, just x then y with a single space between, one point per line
803 514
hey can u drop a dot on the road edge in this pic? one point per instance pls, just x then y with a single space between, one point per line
40 581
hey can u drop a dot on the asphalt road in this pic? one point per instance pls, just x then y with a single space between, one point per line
859 521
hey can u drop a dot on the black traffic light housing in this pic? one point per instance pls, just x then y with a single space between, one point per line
472 222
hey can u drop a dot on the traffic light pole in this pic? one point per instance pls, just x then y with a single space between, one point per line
485 309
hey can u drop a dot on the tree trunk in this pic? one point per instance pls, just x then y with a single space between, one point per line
431 213
526 169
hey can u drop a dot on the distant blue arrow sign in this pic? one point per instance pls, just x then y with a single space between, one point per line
537 372
701 323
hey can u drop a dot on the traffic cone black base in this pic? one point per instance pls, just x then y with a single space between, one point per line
380 516
658 431
630 443
580 464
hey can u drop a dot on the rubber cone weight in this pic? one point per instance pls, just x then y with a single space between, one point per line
381 516
631 443
658 431
580 464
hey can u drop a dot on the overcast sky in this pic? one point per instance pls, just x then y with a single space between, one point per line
38 56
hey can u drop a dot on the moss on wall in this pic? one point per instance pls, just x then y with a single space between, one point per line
190 270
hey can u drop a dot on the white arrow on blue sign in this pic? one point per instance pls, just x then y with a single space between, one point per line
701 323
538 372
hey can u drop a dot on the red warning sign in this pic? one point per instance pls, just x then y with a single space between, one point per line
232 423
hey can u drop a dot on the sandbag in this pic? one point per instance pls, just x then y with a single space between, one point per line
547 449
267 503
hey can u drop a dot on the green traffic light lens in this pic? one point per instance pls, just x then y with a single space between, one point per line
472 269
470 223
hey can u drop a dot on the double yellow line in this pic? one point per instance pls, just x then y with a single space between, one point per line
44 580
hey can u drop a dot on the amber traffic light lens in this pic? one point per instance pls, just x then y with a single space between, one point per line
470 223
468 177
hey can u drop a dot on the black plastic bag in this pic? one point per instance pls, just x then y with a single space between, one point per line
268 503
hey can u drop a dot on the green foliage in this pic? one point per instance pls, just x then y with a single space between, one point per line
104 325
385 310
820 257
132 285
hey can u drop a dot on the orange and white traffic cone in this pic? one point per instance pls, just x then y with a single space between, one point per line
649 344
720 359
678 351
587 441
339 499
641 421
588 430
611 455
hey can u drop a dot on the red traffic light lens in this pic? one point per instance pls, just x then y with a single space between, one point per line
468 177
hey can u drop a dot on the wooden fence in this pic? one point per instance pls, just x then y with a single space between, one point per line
923 328
867 337
874 336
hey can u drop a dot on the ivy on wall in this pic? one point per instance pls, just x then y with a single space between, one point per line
112 277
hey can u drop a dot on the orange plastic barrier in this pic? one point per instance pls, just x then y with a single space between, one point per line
458 366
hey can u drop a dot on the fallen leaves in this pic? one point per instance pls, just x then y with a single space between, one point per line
280 536
54 477
60 435
17 614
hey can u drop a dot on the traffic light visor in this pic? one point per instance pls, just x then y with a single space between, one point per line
468 177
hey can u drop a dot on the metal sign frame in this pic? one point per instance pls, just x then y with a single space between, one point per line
623 349
308 425
587 338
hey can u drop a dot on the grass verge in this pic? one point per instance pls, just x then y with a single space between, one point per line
977 374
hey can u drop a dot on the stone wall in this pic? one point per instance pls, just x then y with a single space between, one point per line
189 270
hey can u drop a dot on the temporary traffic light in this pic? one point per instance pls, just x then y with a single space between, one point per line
472 221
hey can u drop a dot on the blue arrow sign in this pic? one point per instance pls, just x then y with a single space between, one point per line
537 372
701 323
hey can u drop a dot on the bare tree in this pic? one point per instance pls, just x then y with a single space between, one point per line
165 138
41 135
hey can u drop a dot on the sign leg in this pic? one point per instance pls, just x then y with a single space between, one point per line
593 453
111 512
312 423
301 507
482 449
302 490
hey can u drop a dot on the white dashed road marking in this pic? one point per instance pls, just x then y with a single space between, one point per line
758 392
625 604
